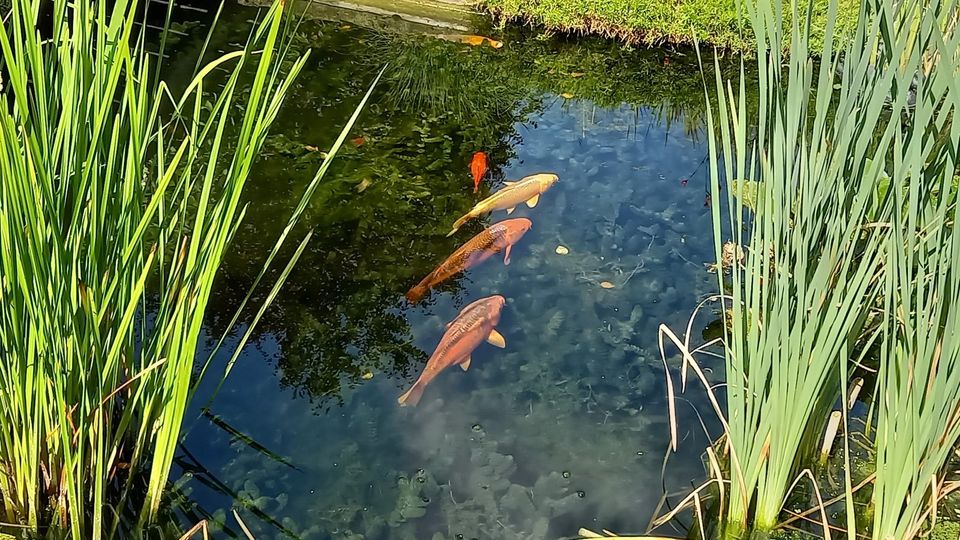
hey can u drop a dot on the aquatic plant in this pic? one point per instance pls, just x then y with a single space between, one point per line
917 396
117 205
818 250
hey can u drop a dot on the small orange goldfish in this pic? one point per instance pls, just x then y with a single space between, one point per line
478 167
473 325
500 236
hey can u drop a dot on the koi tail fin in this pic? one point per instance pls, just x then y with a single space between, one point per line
412 396
417 292
459 223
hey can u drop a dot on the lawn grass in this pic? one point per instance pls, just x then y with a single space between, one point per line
655 22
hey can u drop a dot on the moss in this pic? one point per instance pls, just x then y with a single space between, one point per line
653 21
945 530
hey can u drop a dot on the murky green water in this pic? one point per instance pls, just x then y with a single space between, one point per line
567 426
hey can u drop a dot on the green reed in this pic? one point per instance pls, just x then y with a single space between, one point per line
830 123
118 201
918 385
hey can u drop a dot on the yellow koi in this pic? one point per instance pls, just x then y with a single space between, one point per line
528 189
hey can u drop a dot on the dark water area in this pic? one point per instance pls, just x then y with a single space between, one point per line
567 426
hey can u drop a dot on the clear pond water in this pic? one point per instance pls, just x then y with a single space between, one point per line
567 426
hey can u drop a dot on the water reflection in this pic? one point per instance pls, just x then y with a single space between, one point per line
565 426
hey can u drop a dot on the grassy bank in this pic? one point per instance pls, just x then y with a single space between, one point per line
654 22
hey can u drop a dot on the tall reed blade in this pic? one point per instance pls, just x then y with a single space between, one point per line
114 220
800 299
918 386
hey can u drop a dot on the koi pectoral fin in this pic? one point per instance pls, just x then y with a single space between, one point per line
496 339
506 255
510 210
465 365
532 201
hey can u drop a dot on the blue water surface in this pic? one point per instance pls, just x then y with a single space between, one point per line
566 427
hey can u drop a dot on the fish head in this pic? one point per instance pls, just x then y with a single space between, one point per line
488 303
546 180
515 228
494 305
488 308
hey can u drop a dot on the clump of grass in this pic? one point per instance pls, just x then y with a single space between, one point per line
114 219
819 248
801 300
918 385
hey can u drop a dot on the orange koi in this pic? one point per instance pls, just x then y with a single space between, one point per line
473 325
478 167
471 39
500 236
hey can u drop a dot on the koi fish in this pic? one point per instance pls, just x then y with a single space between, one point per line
498 237
478 167
473 325
471 39
528 189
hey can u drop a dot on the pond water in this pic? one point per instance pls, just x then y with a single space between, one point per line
567 426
